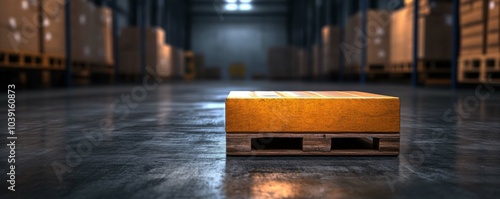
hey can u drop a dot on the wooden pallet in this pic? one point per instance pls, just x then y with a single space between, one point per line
318 119
423 66
55 62
9 59
430 72
21 59
371 68
351 144
479 69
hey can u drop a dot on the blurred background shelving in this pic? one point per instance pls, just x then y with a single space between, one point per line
56 43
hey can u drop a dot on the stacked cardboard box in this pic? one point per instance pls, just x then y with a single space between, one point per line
377 44
91 31
435 42
431 6
164 64
493 34
160 57
53 28
473 24
178 63
330 49
83 18
285 62
19 25
103 36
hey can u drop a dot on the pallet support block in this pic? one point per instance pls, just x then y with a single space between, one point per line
312 123
316 144
238 145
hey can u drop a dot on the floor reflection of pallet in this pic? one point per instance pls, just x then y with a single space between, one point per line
364 144
479 69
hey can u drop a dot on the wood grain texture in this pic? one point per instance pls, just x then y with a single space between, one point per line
311 112
316 144
238 144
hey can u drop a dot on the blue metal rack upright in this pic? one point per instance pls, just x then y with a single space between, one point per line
456 45
67 22
414 74
364 8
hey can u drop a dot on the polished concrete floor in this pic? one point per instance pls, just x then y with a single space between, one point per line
168 142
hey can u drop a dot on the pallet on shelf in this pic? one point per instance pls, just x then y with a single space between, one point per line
430 72
55 62
479 69
102 69
312 144
369 69
21 59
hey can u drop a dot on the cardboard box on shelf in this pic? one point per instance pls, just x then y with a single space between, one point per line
130 38
434 36
427 7
330 49
179 63
82 31
161 61
103 36
19 26
476 29
164 67
19 13
53 27
493 42
14 41
377 49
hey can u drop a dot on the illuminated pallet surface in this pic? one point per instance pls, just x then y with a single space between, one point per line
311 123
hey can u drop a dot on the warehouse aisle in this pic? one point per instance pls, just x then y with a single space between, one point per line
118 141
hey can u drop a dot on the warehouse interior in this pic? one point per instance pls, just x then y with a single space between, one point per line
126 98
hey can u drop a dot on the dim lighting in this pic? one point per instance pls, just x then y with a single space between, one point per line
231 6
231 1
245 1
245 6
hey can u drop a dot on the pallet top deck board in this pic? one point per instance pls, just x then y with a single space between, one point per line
305 94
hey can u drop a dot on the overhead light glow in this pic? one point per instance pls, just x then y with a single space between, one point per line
245 1
231 1
245 6
231 6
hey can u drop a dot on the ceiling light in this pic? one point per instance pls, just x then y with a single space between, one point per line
245 6
245 1
231 1
231 6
